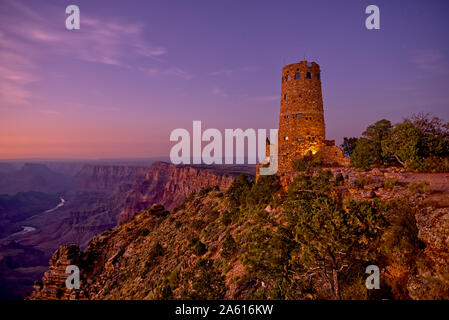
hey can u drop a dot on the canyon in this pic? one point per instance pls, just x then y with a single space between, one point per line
199 250
96 198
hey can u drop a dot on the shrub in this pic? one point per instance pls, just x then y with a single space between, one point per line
166 293
266 252
198 224
419 187
400 244
144 232
204 191
263 192
332 238
207 283
174 278
226 218
348 145
307 163
430 164
365 154
402 143
229 246
199 248
156 251
390 183
362 181
238 191
214 214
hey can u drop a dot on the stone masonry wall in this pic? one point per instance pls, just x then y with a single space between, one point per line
301 123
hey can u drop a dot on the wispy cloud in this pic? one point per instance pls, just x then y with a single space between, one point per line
27 36
15 73
169 71
217 91
266 98
430 60
229 72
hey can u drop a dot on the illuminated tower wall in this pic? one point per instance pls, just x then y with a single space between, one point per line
301 122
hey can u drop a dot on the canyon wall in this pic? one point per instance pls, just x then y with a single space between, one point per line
169 185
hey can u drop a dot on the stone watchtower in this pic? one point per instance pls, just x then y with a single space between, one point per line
301 122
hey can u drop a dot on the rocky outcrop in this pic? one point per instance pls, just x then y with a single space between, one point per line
52 286
156 255
169 185
433 231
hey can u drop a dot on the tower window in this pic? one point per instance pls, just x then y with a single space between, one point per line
298 115
285 138
317 76
309 75
286 117
299 95
297 75
287 77
299 138
285 96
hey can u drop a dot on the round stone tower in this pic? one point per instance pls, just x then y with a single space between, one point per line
301 123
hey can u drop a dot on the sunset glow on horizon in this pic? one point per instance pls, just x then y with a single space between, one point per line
117 87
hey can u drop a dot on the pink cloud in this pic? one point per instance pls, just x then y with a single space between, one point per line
217 91
430 60
170 71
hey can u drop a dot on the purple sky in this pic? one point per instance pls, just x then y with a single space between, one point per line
118 86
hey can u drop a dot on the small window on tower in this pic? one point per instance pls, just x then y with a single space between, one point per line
286 117
299 138
287 77
310 118
285 96
309 75
297 75
299 96
285 138
298 115
317 76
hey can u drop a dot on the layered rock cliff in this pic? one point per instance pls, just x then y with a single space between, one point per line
169 185
202 250
52 286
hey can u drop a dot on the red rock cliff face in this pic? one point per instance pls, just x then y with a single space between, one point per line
169 185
